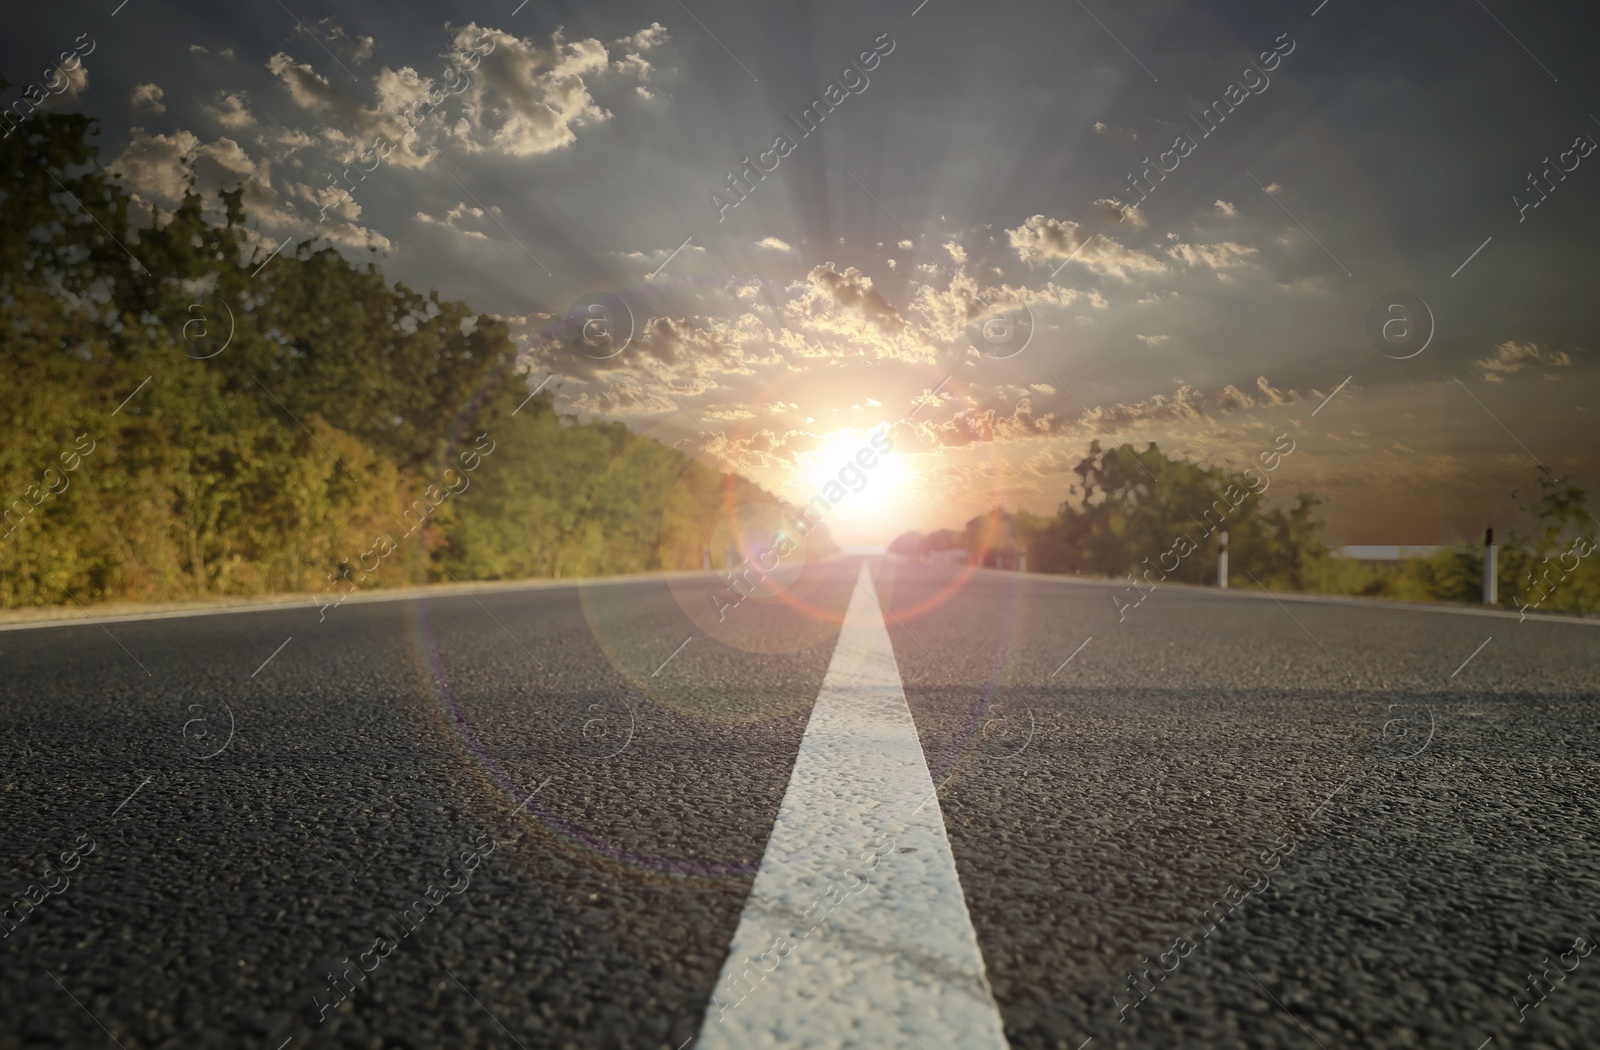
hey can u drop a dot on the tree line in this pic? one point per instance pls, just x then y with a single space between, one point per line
184 421
1158 518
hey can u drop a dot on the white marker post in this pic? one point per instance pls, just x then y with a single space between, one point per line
1222 559
1490 565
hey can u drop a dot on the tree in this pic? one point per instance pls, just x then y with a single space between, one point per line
290 459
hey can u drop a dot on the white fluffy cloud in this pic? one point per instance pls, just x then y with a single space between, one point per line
157 165
146 98
1045 240
1511 356
495 93
231 110
1225 255
527 98
457 218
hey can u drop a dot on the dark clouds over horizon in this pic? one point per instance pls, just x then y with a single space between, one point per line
969 162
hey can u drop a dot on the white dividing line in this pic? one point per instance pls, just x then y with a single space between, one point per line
851 894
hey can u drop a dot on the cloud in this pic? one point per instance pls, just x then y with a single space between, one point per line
1153 340
1182 406
454 219
905 246
230 110
945 314
307 88
1230 398
1511 356
57 96
1227 209
958 253
1045 239
164 168
1114 210
358 49
526 99
774 244
519 98
852 292
1226 255
1052 461
680 352
1277 397
146 98
990 424
1114 133
156 165
651 36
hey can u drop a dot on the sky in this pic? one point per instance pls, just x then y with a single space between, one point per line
1008 230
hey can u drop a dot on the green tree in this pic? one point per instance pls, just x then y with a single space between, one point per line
286 422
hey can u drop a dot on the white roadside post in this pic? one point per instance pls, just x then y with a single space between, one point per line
1490 560
1222 559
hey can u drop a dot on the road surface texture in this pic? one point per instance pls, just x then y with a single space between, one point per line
981 809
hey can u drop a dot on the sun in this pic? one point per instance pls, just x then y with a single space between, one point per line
861 483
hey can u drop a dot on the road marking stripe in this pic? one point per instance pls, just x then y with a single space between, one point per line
856 931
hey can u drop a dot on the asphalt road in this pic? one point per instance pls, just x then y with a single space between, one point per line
1415 807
